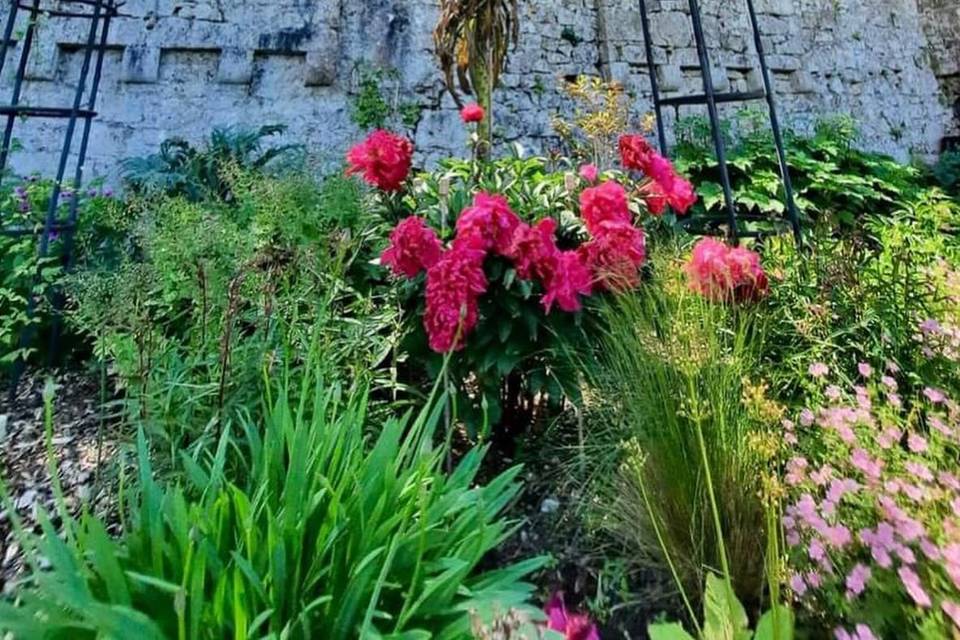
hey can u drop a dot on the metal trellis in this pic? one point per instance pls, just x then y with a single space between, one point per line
711 98
96 15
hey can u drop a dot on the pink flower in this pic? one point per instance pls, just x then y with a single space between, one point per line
917 443
574 626
719 272
889 382
832 392
818 370
865 369
489 224
604 203
952 609
797 584
615 255
911 582
589 172
857 580
570 280
862 461
413 247
384 160
860 632
453 285
472 113
936 396
807 417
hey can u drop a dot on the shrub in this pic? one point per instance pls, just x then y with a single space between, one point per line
180 169
23 275
293 527
862 296
208 295
834 182
873 522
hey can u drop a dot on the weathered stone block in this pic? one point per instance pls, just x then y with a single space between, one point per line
141 64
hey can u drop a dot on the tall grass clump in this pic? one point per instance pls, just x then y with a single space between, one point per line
687 431
295 525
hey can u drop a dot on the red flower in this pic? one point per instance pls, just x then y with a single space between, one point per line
534 251
635 152
472 113
719 272
488 225
605 203
672 190
413 247
570 279
453 285
615 255
384 160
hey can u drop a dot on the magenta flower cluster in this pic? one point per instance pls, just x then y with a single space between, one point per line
875 506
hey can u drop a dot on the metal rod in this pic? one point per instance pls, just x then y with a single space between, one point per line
26 45
652 70
714 119
68 238
8 34
792 213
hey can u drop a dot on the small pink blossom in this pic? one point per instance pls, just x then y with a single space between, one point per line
936 396
833 392
798 585
865 369
911 582
952 609
917 443
818 370
589 172
856 581
889 383
807 417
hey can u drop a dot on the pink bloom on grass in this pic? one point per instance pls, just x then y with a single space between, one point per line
952 609
911 582
936 396
865 369
857 580
833 392
862 461
818 370
860 632
573 626
798 585
917 443
806 417
889 382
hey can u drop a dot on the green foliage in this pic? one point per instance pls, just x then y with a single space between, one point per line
292 526
23 275
834 182
207 294
376 104
725 619
862 296
947 172
180 169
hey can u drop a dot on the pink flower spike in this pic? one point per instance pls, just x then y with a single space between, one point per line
936 396
917 443
797 584
865 369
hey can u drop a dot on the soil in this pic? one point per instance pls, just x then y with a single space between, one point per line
78 449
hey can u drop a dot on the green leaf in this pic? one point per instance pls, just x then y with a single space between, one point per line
668 631
775 624
724 616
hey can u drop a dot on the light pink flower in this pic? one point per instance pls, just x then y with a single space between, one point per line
911 582
865 369
798 585
589 172
917 443
857 580
818 370
952 609
936 396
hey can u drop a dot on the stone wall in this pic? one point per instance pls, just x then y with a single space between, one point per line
181 67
